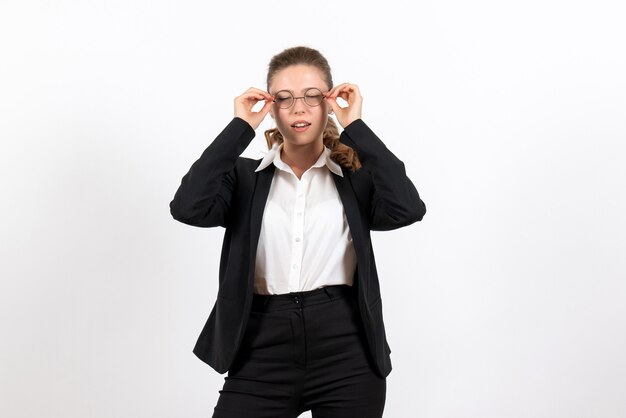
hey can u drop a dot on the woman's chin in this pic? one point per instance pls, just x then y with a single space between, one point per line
301 140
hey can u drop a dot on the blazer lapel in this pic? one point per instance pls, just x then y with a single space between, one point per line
259 198
353 214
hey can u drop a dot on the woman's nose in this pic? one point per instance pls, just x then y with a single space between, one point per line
299 105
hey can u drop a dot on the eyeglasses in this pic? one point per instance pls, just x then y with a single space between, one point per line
312 97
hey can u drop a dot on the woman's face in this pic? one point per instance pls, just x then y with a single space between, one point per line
299 124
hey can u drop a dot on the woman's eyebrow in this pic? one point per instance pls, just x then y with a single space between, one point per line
303 90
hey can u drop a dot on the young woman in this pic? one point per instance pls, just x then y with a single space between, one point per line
298 319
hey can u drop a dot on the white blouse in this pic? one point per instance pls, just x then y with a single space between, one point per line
305 241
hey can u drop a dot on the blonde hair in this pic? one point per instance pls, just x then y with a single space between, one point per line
340 153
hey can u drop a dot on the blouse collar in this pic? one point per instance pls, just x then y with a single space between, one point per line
273 156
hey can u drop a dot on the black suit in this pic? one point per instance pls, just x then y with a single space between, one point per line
222 189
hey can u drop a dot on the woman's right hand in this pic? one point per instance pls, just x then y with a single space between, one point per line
245 103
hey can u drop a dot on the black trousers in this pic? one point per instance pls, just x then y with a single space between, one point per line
303 351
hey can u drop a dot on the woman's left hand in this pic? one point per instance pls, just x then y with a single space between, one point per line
351 94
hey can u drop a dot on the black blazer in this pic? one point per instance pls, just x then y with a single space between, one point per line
222 189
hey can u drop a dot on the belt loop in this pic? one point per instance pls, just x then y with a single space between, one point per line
327 293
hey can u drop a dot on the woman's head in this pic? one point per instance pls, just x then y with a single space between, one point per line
296 77
299 109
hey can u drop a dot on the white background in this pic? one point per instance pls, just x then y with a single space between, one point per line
506 301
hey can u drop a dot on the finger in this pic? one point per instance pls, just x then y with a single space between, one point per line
253 91
254 95
266 108
250 100
343 85
344 100
266 95
334 90
333 104
349 87
341 90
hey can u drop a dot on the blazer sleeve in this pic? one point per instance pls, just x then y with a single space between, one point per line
395 201
205 192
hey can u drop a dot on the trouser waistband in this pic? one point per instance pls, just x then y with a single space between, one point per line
300 299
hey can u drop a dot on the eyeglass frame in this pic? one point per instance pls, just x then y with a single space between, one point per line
301 97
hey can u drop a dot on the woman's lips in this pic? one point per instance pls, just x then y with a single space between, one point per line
300 126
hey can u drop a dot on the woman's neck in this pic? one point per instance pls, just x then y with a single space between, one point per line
301 158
